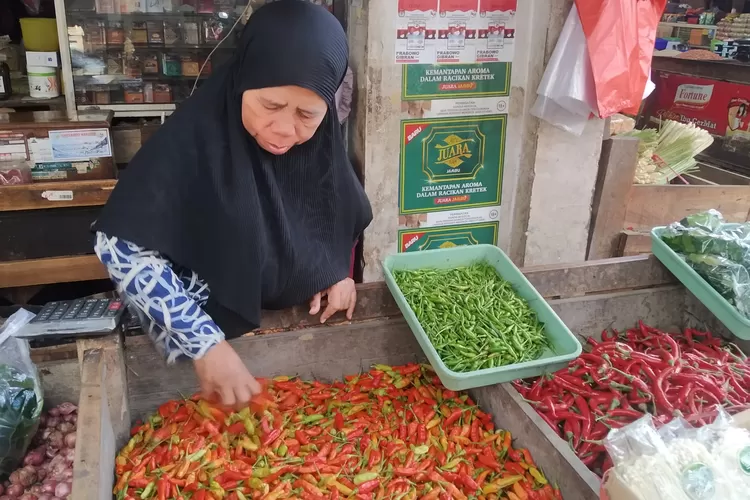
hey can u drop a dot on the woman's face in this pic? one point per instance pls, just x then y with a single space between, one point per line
282 117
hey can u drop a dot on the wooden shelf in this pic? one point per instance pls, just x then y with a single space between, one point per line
44 195
53 270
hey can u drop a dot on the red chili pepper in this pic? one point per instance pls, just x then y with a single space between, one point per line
271 437
453 418
368 486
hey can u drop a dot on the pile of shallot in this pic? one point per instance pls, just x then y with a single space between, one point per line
47 472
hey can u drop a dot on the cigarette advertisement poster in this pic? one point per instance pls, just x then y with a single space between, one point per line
448 81
722 108
415 31
457 32
444 90
415 240
496 30
451 163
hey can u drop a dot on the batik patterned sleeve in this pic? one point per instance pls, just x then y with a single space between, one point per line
169 303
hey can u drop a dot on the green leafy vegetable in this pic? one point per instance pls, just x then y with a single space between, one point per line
718 251
20 408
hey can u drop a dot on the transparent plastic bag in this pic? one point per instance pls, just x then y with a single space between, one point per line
730 447
702 477
566 95
643 462
718 251
21 396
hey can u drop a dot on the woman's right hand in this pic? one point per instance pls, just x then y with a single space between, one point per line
222 374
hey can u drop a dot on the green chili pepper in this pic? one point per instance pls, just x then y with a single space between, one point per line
473 317
148 490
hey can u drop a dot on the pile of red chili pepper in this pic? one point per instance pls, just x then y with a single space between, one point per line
391 433
642 370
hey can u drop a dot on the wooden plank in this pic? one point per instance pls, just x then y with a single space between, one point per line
32 196
52 270
373 301
95 439
115 380
634 243
597 276
42 234
651 206
61 381
616 171
54 353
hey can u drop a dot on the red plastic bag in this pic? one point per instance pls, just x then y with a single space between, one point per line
620 36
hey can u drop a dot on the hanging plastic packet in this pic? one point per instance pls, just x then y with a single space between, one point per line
643 466
21 396
701 476
620 37
566 94
730 447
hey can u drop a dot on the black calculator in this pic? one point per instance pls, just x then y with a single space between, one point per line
75 317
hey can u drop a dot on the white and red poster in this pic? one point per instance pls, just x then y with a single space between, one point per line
722 108
457 32
416 30
496 31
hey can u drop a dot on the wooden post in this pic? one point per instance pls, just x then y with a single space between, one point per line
616 172
93 468
114 380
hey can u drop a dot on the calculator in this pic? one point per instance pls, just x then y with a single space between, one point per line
75 317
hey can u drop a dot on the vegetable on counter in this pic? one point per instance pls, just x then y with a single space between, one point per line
47 472
669 152
20 407
718 251
393 432
642 370
473 317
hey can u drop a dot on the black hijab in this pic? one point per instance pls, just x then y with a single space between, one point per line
261 230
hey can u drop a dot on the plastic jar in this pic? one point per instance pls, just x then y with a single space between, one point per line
43 82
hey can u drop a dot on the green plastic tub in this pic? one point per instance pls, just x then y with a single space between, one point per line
566 346
718 305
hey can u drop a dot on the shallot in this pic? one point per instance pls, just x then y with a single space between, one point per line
14 490
66 408
70 440
47 473
65 427
63 490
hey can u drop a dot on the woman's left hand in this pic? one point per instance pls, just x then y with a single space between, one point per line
341 297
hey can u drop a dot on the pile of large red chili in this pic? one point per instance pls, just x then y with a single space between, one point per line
642 370
391 433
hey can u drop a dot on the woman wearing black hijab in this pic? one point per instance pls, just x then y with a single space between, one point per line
244 199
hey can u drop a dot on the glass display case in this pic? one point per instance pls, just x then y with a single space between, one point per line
141 57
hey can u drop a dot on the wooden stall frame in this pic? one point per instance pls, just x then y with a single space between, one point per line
587 296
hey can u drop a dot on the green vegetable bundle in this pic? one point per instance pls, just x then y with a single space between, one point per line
473 317
20 409
718 251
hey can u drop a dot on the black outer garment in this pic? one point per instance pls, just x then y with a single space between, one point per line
262 230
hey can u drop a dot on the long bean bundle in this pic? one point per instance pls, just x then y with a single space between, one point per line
473 317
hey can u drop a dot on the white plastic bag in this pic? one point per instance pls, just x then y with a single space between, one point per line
567 93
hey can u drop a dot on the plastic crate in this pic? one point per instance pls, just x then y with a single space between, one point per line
565 345
718 305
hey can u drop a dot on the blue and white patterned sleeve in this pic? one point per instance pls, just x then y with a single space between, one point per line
169 304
